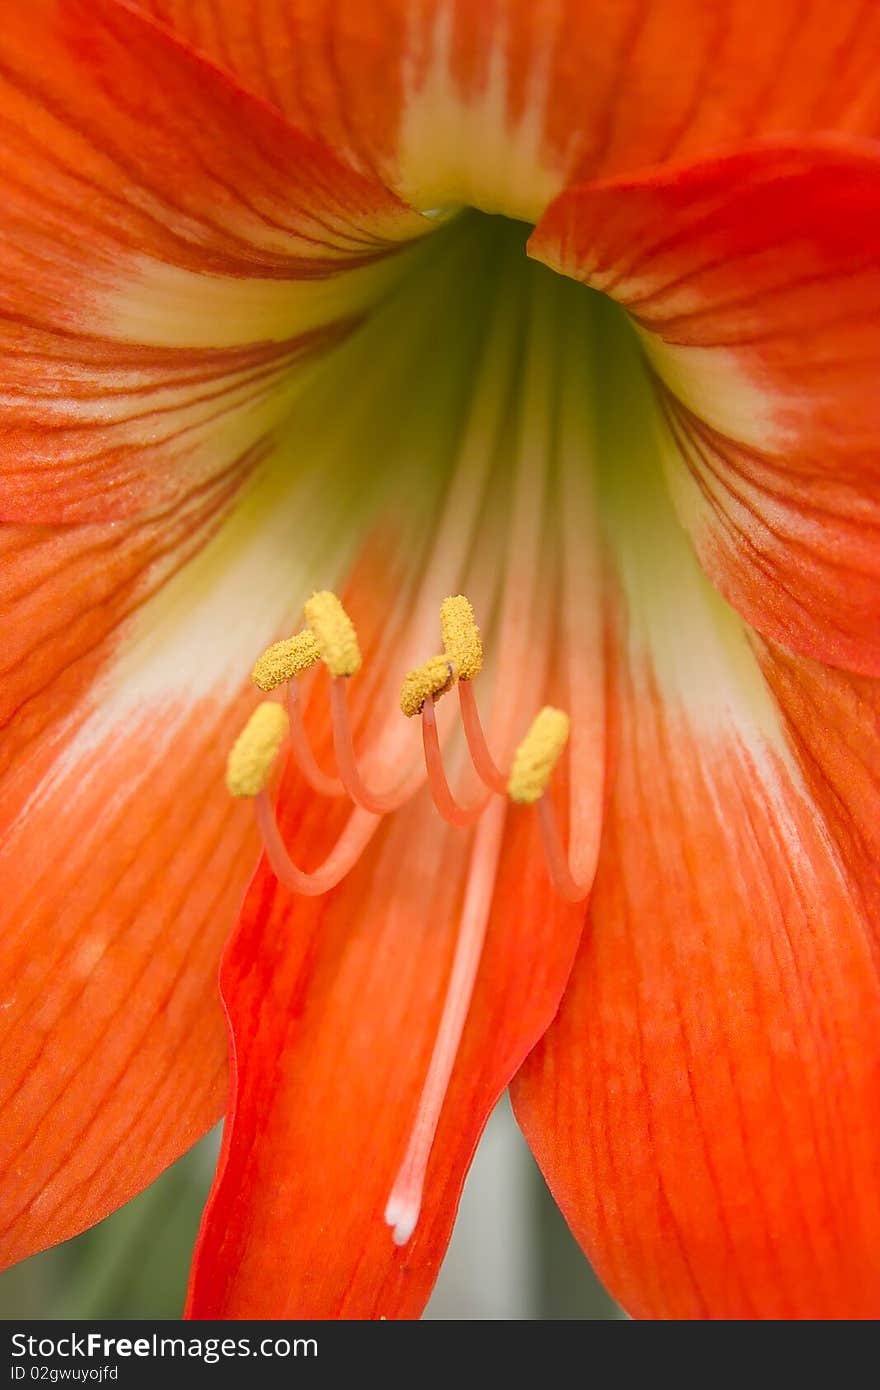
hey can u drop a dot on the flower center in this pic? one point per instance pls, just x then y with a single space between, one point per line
513 522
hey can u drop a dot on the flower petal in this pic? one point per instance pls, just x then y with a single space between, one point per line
501 104
832 719
111 1038
334 1005
171 247
123 860
755 282
704 1106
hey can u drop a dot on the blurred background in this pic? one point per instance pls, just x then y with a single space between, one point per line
511 1257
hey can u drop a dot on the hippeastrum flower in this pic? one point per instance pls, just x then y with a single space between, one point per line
316 316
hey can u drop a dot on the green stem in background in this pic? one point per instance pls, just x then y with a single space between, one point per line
567 1289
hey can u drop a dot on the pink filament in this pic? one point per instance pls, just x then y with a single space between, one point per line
377 803
444 801
404 1204
351 844
478 748
317 779
557 860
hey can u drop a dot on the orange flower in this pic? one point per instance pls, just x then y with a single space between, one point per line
262 337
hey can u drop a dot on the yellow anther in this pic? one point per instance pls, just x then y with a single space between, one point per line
334 633
434 678
284 660
461 637
255 750
537 755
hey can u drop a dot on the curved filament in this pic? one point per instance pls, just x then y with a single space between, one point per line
482 759
557 860
351 844
379 804
445 802
318 780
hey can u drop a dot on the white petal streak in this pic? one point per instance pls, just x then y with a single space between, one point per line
469 150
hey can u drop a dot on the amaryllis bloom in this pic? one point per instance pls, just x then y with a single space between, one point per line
316 315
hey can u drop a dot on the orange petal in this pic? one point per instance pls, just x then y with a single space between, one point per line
755 282
171 246
501 105
833 719
704 1106
127 648
121 869
333 1006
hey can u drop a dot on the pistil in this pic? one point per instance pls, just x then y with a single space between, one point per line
404 1204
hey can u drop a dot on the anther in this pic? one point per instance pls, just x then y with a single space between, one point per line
253 754
286 660
334 633
426 682
537 755
461 636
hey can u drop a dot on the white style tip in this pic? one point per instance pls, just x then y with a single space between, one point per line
402 1214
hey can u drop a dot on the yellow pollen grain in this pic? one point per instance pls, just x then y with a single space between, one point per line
254 752
537 755
461 636
334 632
285 660
434 678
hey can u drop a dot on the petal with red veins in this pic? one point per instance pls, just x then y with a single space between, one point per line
704 1106
502 104
123 860
832 719
755 283
171 247
112 1040
127 648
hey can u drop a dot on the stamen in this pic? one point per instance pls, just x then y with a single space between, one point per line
319 780
346 761
445 802
461 637
253 754
334 632
348 849
429 681
286 660
537 755
561 877
478 748
405 1201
